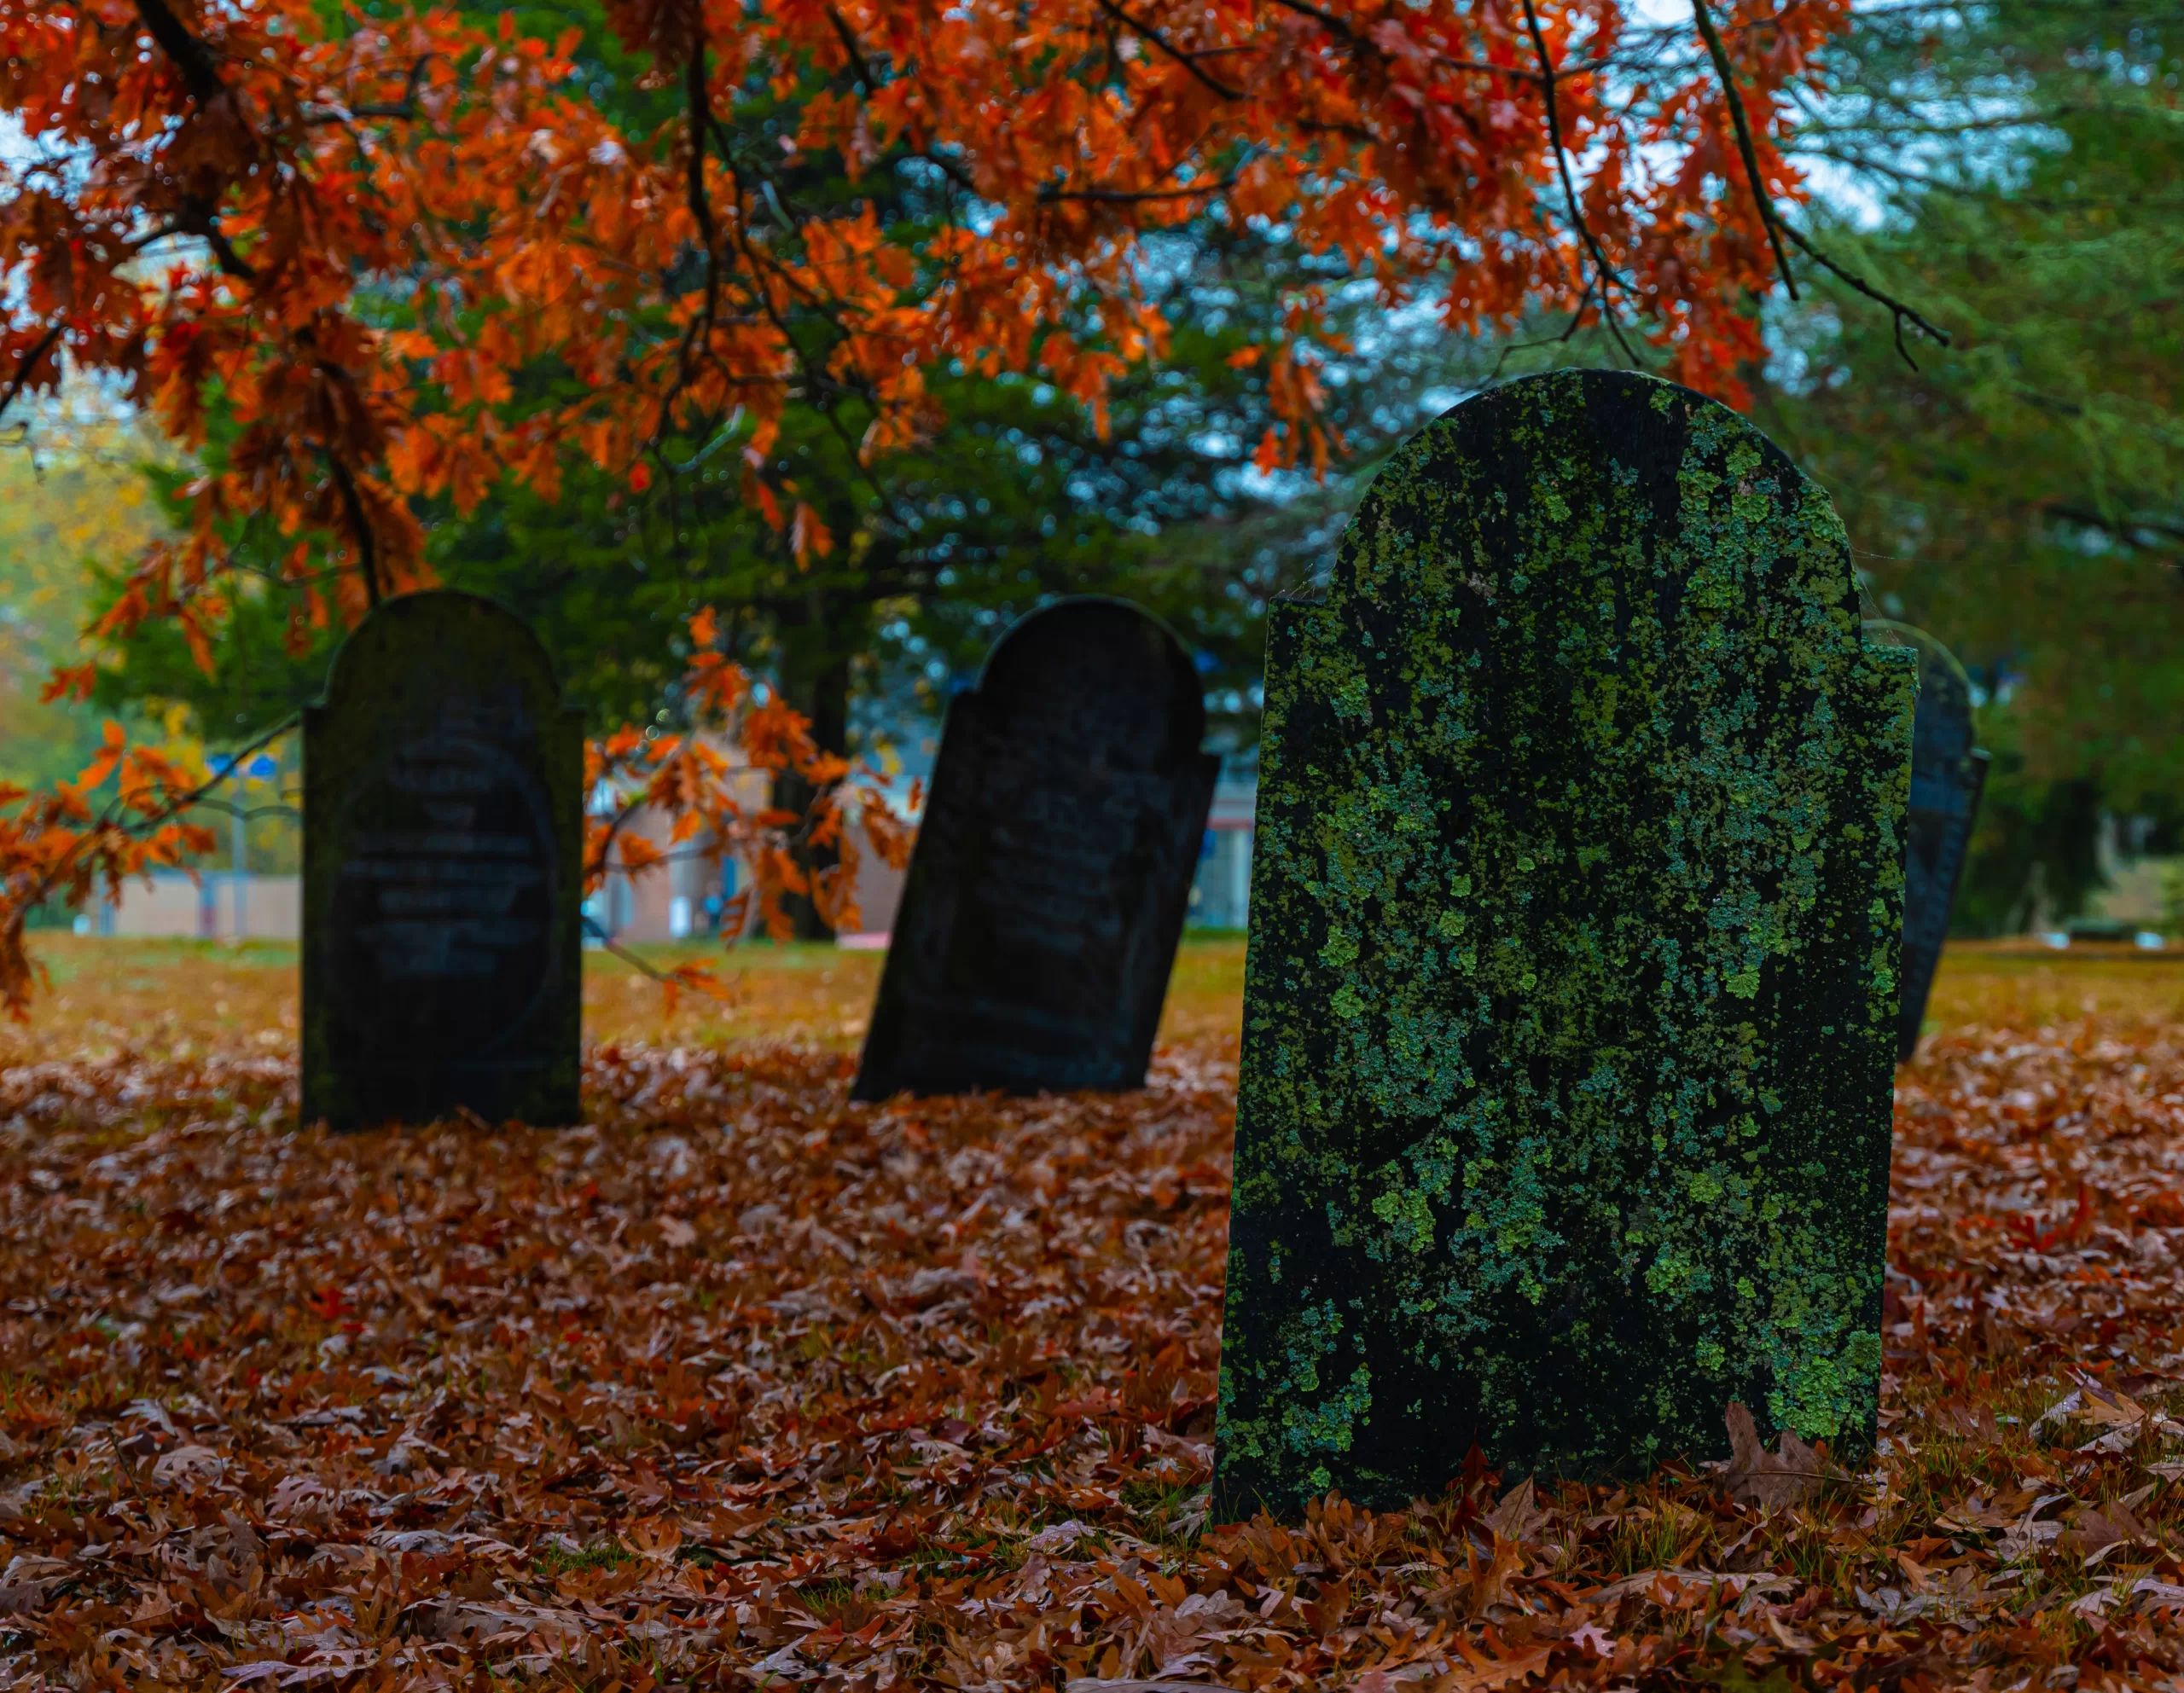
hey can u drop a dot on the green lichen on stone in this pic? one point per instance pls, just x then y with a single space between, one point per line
1564 1116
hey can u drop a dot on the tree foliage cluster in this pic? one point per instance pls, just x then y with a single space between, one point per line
902 346
71 493
363 259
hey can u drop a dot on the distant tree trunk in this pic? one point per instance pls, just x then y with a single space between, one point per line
823 696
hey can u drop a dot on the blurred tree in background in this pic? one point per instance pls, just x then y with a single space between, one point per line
2016 168
72 497
1016 497
2013 168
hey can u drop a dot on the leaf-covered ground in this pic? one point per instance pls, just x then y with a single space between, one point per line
743 1385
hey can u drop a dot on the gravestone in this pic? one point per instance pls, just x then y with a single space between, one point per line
1947 775
443 862
1562 1118
1052 867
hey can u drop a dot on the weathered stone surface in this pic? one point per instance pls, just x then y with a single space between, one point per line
1563 1118
1947 775
1053 867
443 863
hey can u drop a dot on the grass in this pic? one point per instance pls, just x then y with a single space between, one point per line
600 1555
2016 984
173 999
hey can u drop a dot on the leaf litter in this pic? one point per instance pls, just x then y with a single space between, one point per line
743 1385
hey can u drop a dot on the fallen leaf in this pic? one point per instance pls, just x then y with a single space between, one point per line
1771 1480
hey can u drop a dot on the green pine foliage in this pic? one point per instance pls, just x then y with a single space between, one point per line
2020 494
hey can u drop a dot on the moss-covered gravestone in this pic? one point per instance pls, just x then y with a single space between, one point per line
1053 867
1948 774
1570 999
443 862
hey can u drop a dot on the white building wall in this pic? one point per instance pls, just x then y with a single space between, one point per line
214 906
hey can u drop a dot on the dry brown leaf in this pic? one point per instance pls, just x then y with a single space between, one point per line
1480 1671
1770 1480
1093 1684
923 1395
1519 1516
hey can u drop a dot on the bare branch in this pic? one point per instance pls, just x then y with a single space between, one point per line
1742 123
1188 61
608 943
1902 312
1550 76
29 366
200 71
1778 229
1569 333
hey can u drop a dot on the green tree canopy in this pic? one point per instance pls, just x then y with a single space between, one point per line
2019 165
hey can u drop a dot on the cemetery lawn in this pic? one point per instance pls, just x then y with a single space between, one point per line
741 1385
167 998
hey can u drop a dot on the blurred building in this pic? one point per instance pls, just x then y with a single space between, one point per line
215 905
1220 897
683 898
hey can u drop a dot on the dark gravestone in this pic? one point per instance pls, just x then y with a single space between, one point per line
1053 865
443 862
1947 775
1570 1006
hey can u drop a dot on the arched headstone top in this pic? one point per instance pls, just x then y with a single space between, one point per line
411 633
1091 653
1545 471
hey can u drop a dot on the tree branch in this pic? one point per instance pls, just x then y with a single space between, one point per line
1550 76
1188 61
1741 122
1778 229
1901 312
200 71
701 208
1357 43
1124 197
700 106
401 111
360 528
2130 530
44 886
856 54
205 227
608 943
29 366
